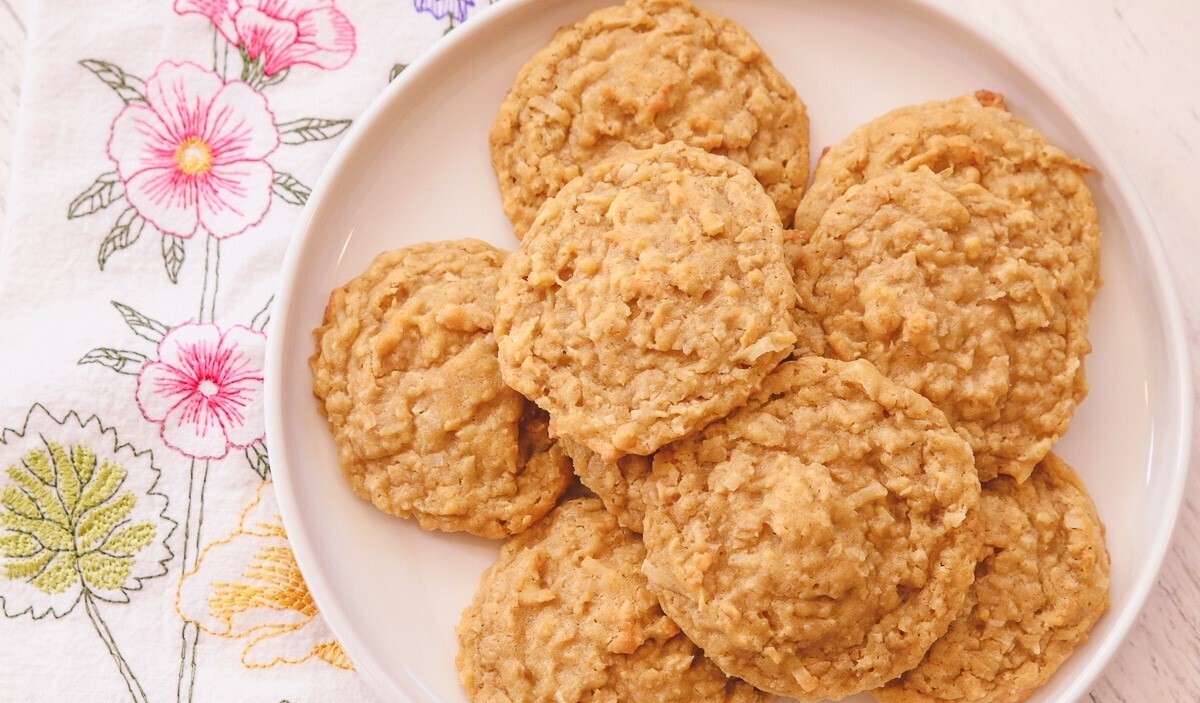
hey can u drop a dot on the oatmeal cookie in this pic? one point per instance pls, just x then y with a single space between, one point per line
972 139
960 296
1040 586
564 615
636 75
819 539
649 298
408 379
617 483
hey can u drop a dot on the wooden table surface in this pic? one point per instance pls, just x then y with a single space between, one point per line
1134 68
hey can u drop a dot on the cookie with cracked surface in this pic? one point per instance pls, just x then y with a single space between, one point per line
819 539
644 73
971 139
564 615
649 298
960 296
408 379
618 484
1040 587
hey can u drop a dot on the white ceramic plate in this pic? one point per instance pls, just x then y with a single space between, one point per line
416 167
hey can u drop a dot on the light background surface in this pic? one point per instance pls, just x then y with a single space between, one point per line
1134 70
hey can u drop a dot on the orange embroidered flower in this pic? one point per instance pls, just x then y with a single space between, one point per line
248 587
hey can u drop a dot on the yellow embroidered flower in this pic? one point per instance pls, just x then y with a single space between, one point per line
248 587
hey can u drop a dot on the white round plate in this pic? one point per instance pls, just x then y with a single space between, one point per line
416 167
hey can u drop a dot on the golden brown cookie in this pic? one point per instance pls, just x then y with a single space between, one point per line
644 73
818 540
408 379
649 298
960 296
972 139
1040 587
617 483
564 615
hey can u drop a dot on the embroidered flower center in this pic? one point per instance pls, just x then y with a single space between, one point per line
207 388
193 157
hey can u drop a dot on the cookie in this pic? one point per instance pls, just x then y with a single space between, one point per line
649 298
960 296
818 540
644 73
1040 587
617 483
971 139
409 382
564 615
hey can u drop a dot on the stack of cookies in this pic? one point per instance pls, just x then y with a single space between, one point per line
815 461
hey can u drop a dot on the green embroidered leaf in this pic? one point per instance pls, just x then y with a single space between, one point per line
58 576
262 317
28 496
142 325
104 191
17 501
51 535
119 360
69 485
130 89
38 464
102 486
396 71
256 455
172 253
95 524
74 522
127 230
72 515
291 190
18 545
42 493
104 571
129 540
310 129
24 568
84 460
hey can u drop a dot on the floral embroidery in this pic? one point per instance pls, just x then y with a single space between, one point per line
191 146
79 521
278 34
194 150
205 389
194 155
457 10
248 587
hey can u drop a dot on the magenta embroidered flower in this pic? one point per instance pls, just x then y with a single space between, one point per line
441 8
282 32
205 389
194 154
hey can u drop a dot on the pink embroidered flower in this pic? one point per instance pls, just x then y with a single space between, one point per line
194 154
441 8
205 389
282 32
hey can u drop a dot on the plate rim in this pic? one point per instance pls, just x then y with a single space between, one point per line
1178 395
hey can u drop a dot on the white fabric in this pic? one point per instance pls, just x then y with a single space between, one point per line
163 152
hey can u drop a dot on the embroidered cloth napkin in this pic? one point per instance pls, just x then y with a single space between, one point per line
163 153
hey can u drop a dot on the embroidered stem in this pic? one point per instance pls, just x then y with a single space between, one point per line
189 639
212 275
190 635
106 636
220 54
